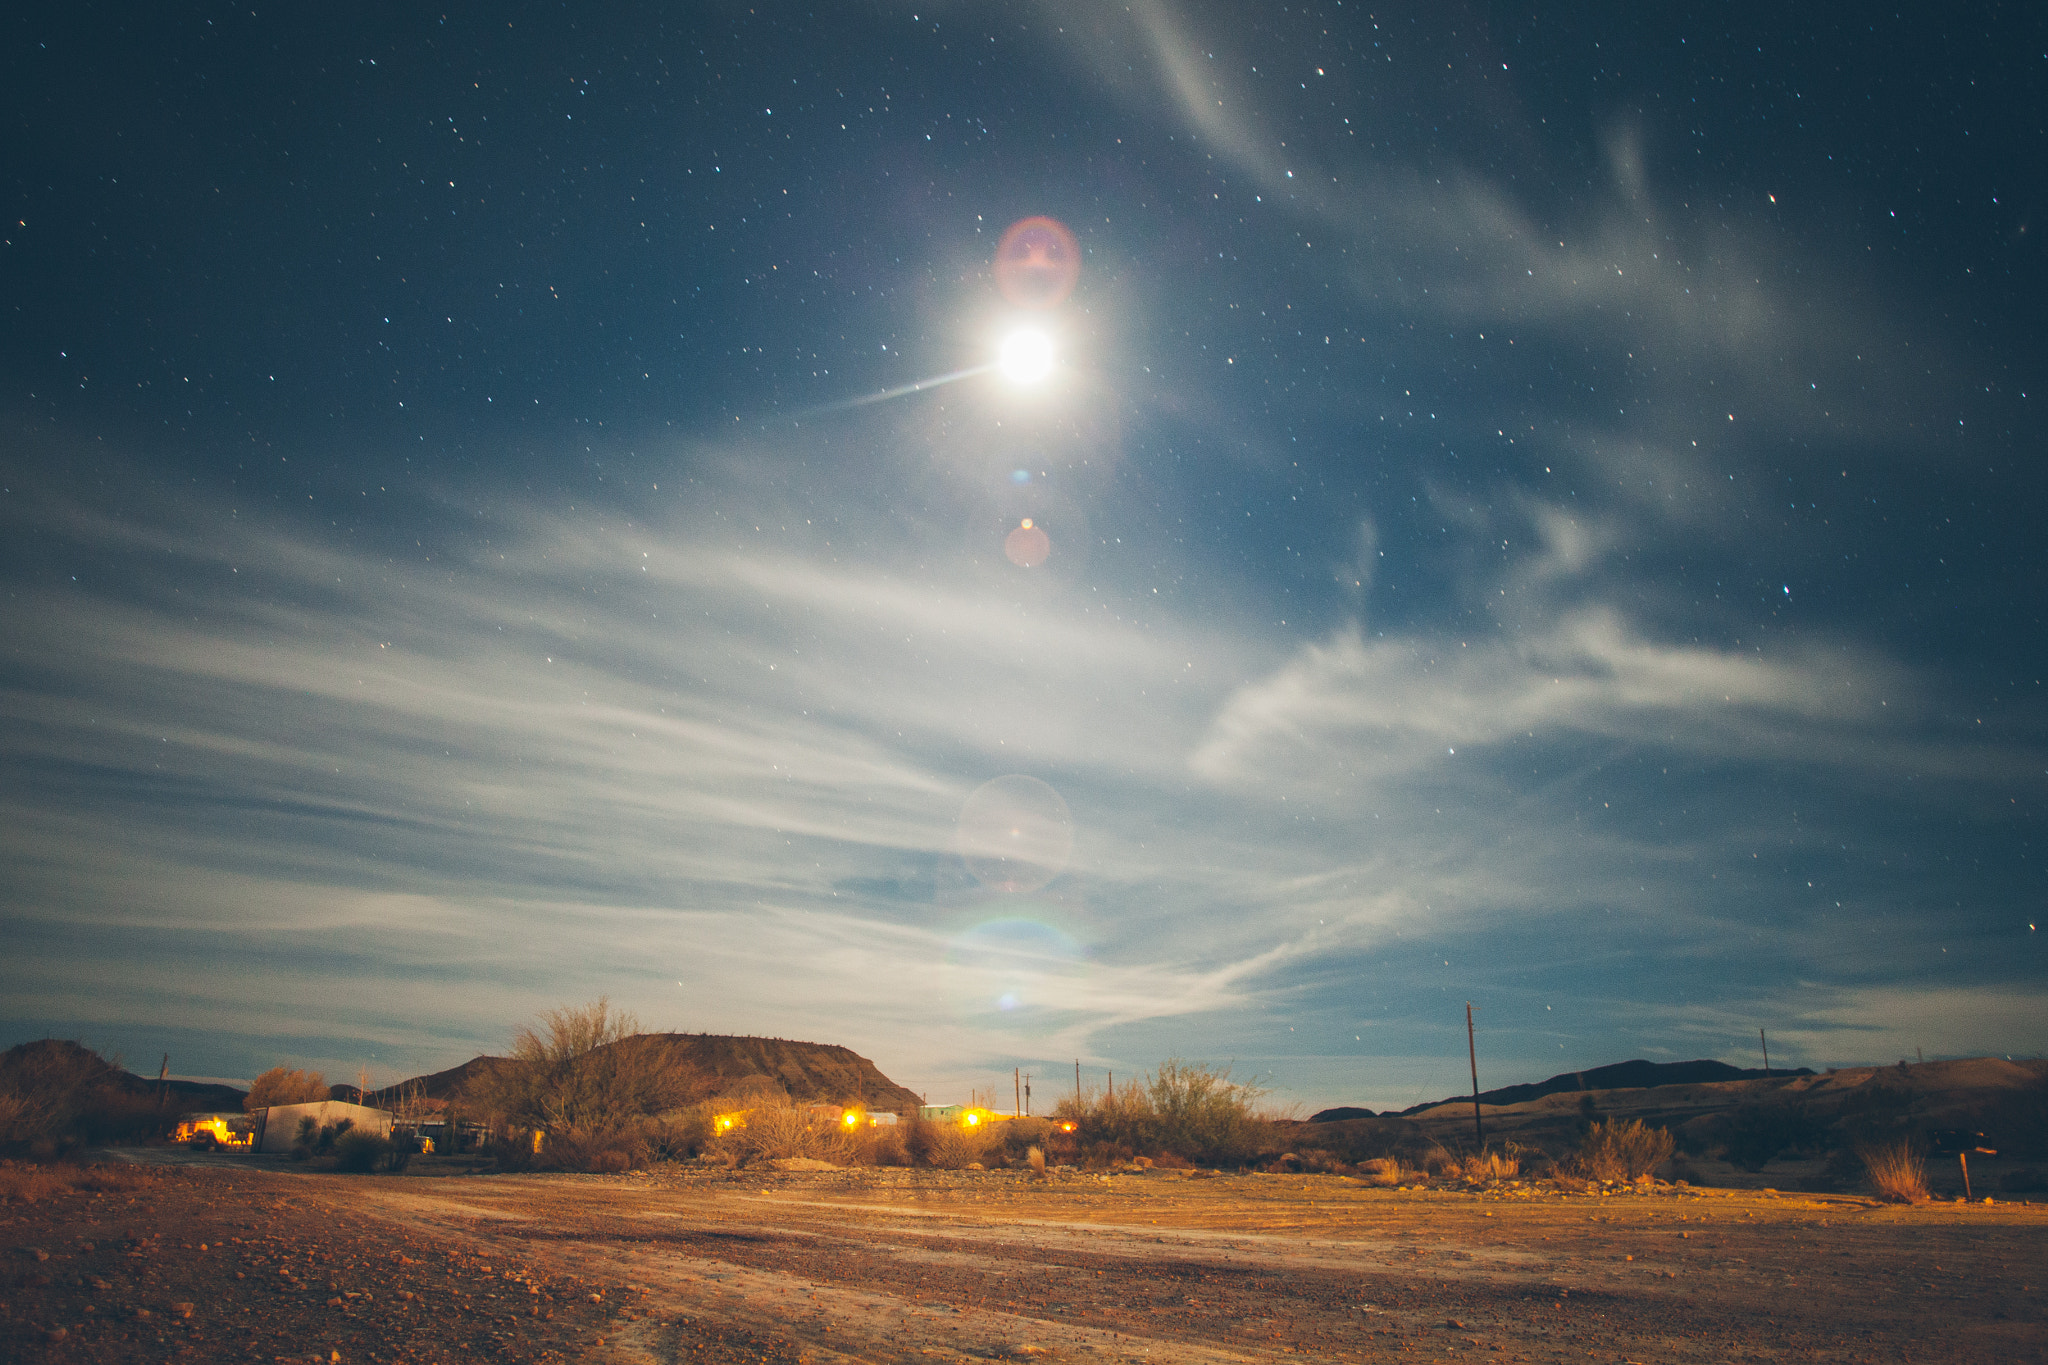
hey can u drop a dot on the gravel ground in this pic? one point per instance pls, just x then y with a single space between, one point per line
914 1266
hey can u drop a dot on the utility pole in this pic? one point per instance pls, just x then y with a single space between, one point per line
1077 1082
1017 1080
1472 1051
1027 1096
1767 1052
163 1081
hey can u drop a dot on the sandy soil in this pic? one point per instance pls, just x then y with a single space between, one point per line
917 1266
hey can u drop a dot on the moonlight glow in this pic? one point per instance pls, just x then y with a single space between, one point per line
1026 356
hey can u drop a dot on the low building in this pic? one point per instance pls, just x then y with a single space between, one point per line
277 1128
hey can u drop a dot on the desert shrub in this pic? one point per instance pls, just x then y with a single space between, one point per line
1384 1171
329 1134
773 1132
1193 1111
1019 1136
678 1134
359 1152
281 1086
588 1080
56 1094
1614 1150
882 1146
1896 1172
954 1147
1486 1165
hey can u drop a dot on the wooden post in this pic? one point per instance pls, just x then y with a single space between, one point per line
1767 1052
1472 1051
1964 1157
163 1081
1017 1080
1027 1096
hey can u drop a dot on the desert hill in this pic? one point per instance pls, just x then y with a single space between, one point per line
823 1073
1987 1093
1630 1075
49 1063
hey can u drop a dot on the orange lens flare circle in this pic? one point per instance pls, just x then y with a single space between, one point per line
1038 263
1027 546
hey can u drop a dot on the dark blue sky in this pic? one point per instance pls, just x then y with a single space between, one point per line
1542 510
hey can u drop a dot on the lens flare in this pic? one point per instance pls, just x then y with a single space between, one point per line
1015 834
1027 546
1026 356
1038 263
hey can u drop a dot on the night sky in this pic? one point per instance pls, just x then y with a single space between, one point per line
1533 507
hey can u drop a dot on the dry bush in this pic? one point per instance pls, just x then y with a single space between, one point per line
1035 1159
882 1146
772 1132
1487 1165
678 1134
55 1094
1384 1171
588 1079
1192 1111
951 1146
1896 1172
280 1086
1613 1150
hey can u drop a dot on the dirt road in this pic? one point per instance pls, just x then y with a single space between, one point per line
916 1266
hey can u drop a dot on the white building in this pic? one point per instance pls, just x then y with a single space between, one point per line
277 1127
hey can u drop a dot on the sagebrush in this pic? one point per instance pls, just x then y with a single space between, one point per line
1614 1150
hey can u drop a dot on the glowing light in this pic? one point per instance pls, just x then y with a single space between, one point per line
1026 356
1028 546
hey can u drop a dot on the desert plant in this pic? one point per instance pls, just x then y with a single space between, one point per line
359 1152
1486 1165
678 1134
1896 1172
55 1094
774 1132
281 1086
1614 1150
1193 1111
1384 1171
587 1079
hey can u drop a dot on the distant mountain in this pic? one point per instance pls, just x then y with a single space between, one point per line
823 1073
1635 1075
60 1062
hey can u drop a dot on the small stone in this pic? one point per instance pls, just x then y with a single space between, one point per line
35 1253
1453 1322
183 1310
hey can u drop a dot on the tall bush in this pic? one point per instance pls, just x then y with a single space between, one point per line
1185 1109
589 1081
1613 1150
282 1086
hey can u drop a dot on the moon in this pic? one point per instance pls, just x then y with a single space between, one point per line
1026 356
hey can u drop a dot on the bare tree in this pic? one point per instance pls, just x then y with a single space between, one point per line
586 1078
280 1086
